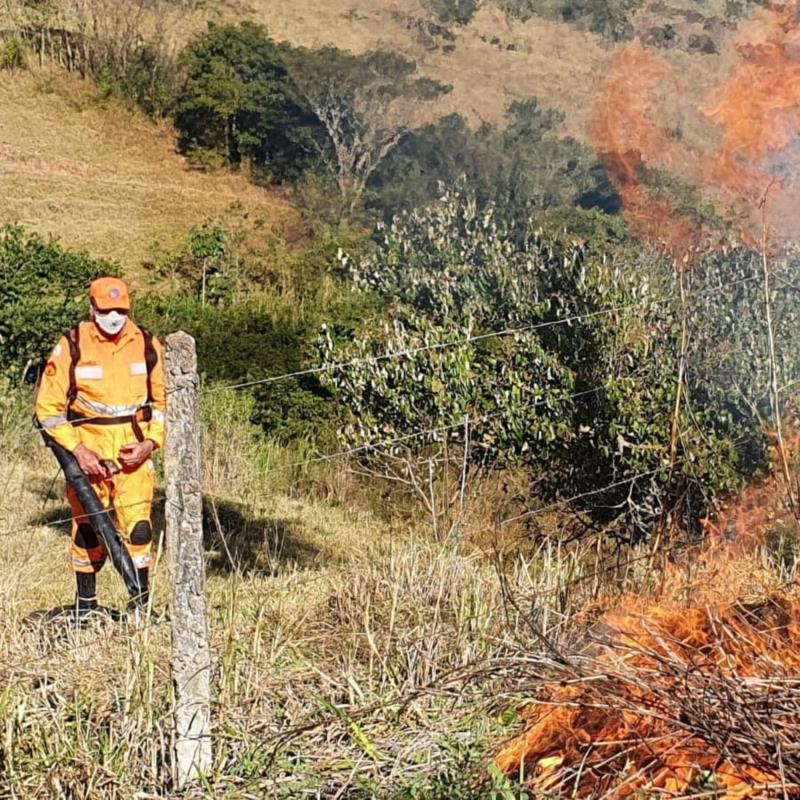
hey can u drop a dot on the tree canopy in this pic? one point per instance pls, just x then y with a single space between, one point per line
239 102
522 168
366 104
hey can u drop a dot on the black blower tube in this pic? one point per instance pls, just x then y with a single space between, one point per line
99 517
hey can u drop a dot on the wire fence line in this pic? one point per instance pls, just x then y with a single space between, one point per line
377 359
365 448
378 446
372 446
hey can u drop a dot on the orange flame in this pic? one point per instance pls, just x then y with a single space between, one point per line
759 108
626 137
622 731
756 110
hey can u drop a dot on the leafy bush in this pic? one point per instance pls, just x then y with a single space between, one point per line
145 78
582 404
460 12
266 327
43 293
609 18
12 54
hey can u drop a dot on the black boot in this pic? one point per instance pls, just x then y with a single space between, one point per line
86 596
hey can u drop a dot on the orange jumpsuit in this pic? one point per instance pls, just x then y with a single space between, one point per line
111 381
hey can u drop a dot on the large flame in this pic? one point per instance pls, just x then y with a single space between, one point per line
698 692
759 108
627 137
753 148
664 700
694 692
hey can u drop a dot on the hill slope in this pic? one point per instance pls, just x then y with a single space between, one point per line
102 178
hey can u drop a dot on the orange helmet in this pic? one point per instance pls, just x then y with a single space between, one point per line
108 293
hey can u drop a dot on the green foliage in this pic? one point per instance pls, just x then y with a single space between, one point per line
260 316
145 79
453 273
12 54
609 18
43 293
245 341
459 12
521 168
239 102
235 342
581 405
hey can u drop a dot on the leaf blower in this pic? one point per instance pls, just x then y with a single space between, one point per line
98 516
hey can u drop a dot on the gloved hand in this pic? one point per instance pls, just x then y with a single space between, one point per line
134 454
90 463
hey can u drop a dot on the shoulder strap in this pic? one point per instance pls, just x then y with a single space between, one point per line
150 359
74 341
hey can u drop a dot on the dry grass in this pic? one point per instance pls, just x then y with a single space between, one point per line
496 60
104 179
349 651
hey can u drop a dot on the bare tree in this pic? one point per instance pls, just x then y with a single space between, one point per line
366 104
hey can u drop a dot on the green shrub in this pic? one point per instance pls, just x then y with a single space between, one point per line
12 54
580 405
521 168
609 18
239 102
146 79
251 339
459 12
43 293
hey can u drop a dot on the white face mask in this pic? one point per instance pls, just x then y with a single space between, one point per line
110 322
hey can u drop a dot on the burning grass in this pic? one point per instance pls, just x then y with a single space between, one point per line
672 702
693 692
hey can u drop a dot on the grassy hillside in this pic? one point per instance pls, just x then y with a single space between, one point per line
102 178
497 58
109 181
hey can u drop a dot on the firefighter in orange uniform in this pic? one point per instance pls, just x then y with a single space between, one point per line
102 398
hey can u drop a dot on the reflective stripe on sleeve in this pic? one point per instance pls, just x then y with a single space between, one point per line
138 368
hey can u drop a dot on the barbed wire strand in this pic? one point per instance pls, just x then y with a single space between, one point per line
455 342
409 351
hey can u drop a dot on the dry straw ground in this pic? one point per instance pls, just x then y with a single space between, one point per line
353 657
348 651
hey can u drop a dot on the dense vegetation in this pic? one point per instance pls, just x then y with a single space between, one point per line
581 389
42 293
530 239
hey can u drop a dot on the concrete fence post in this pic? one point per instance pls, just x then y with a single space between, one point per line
191 652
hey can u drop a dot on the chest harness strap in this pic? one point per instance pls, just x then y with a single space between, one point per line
143 414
